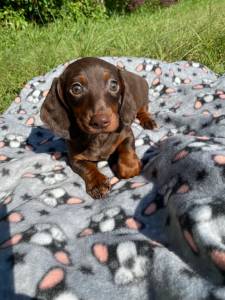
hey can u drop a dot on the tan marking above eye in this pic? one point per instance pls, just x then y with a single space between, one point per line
106 75
82 79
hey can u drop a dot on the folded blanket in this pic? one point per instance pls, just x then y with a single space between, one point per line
160 235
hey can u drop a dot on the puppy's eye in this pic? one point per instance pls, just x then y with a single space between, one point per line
113 86
77 89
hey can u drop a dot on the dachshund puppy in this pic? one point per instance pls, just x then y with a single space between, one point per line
92 105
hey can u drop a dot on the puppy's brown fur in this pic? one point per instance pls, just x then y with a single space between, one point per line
92 105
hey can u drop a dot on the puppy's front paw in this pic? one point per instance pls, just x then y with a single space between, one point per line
149 123
128 165
98 187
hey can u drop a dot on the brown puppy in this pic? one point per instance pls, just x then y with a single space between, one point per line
92 105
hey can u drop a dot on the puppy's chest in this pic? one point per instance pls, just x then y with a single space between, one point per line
101 147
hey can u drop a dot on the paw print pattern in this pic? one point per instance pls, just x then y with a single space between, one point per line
19 111
14 141
154 206
46 235
13 216
132 266
219 160
149 67
35 96
203 230
178 80
204 98
4 158
220 94
110 219
58 196
53 177
129 261
196 65
51 237
51 284
125 186
158 89
199 144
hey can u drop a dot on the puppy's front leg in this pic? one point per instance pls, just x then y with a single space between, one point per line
97 184
128 164
145 118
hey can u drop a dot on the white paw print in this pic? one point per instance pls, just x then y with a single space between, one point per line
132 265
34 97
106 219
42 238
57 234
47 234
14 141
205 97
177 80
123 276
149 67
51 178
53 197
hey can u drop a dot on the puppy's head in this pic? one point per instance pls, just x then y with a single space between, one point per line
92 95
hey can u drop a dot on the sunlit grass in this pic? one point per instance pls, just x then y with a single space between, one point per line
191 30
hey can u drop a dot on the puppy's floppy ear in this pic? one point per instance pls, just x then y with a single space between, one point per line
128 109
54 111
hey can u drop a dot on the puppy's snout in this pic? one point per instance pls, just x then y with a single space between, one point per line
100 121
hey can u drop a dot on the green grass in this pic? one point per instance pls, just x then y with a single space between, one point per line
191 30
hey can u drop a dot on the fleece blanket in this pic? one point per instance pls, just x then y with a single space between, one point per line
160 235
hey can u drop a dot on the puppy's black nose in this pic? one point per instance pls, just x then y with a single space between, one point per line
100 121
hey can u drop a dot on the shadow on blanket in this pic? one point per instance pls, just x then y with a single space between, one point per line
43 141
8 257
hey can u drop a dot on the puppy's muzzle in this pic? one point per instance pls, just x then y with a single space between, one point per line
100 121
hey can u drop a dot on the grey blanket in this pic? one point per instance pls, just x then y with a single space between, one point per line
157 236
